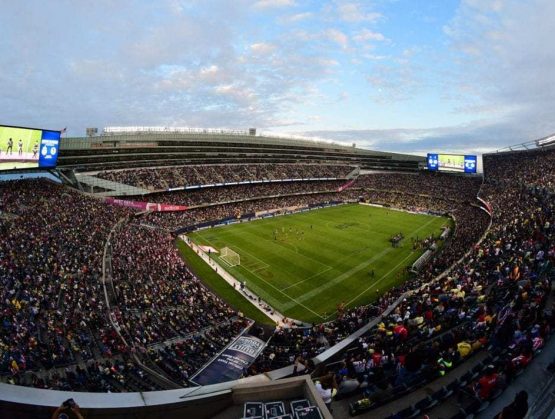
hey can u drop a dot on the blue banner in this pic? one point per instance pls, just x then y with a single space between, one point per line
470 164
433 161
49 149
231 362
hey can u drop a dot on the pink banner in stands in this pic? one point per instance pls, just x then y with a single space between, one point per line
346 185
146 206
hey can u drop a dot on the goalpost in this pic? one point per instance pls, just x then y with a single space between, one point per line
230 257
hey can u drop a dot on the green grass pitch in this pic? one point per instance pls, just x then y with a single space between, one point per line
305 264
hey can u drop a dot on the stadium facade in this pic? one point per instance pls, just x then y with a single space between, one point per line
142 147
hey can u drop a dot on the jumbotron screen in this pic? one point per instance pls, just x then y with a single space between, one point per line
28 148
452 163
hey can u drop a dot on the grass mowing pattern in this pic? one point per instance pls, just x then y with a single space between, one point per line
322 258
219 286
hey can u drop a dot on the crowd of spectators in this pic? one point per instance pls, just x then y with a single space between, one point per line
168 177
495 298
445 185
220 194
157 297
175 220
424 194
158 301
56 331
516 167
50 269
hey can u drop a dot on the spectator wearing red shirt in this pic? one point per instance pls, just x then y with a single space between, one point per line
400 331
488 383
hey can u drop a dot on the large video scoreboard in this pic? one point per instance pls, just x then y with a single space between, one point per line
28 148
452 163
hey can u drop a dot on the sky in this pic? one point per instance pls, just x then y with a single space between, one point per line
396 75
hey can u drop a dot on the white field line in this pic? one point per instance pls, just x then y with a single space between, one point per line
288 296
329 267
310 277
225 261
380 279
257 269
265 265
342 277
283 246
276 316
277 289
422 226
352 271
387 274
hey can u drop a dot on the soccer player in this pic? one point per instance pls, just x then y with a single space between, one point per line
10 146
20 147
35 150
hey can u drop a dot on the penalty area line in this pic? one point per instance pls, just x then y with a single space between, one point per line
381 279
273 286
287 295
310 277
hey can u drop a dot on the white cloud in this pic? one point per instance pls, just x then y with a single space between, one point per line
210 73
367 35
262 48
506 61
338 37
504 78
237 93
298 17
485 5
353 12
466 138
216 63
270 4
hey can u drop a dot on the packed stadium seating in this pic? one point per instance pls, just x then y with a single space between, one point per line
55 330
214 195
149 323
437 184
163 178
496 298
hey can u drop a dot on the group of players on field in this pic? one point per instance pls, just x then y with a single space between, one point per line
285 233
9 148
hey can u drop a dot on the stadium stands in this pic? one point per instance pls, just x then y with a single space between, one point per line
165 328
149 323
164 178
497 298
55 330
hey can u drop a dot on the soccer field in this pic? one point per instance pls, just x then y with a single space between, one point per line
305 264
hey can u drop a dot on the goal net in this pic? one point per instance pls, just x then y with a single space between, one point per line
230 257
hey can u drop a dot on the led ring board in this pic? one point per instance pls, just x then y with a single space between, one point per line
28 148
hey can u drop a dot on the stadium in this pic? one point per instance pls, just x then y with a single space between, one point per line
176 272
